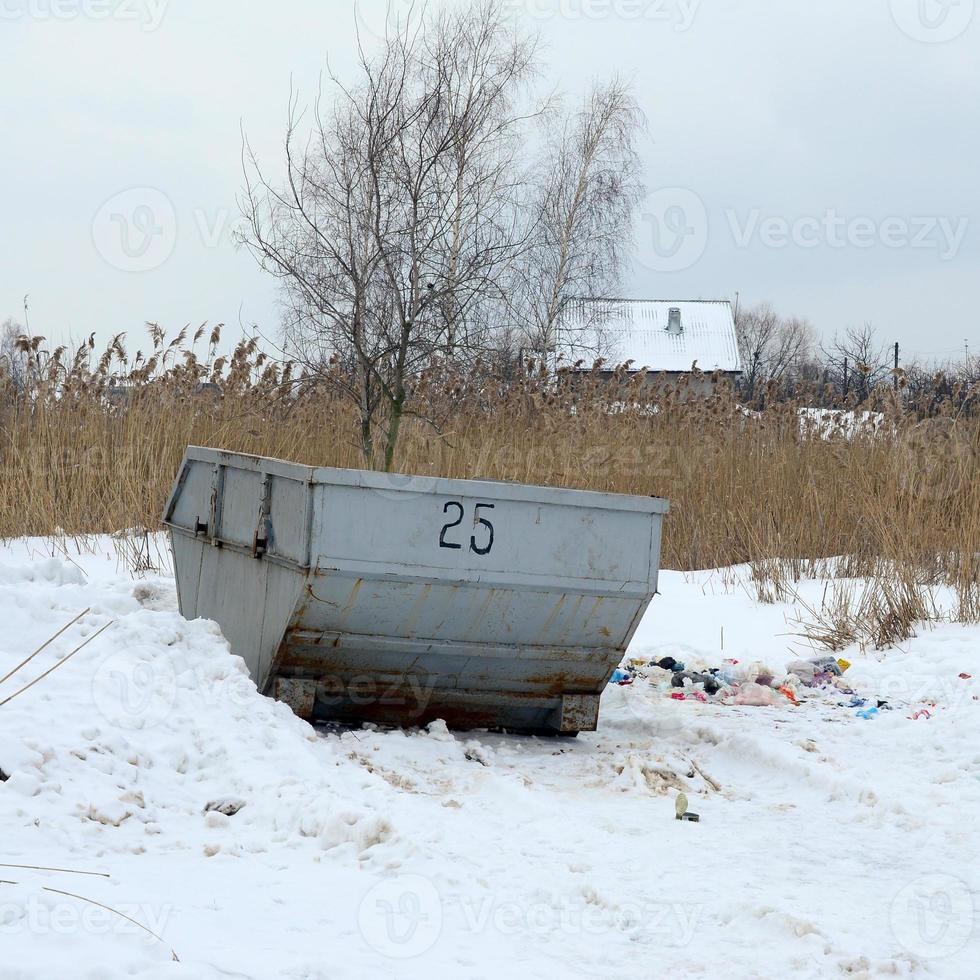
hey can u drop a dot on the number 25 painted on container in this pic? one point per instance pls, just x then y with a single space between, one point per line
477 519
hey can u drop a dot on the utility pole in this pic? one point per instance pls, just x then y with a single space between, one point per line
896 365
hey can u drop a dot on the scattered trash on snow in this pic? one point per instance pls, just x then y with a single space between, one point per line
812 672
711 684
756 684
475 752
681 811
228 807
692 696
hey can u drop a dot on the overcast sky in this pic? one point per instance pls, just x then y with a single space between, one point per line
822 156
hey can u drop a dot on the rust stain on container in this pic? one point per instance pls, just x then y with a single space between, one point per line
552 616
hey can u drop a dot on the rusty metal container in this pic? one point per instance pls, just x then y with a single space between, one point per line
361 596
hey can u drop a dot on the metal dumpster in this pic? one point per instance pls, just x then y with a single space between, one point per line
362 596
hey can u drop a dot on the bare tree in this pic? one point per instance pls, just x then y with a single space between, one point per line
586 186
399 214
773 348
856 363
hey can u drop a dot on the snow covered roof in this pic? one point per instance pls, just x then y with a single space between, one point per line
643 331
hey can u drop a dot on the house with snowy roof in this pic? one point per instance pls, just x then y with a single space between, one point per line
669 339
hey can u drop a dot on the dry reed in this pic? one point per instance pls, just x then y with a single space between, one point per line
91 444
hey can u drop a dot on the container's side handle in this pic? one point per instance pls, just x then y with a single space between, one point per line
217 492
260 540
311 488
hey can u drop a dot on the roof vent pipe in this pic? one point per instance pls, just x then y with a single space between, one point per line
674 321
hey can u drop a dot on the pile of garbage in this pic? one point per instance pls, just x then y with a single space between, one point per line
752 684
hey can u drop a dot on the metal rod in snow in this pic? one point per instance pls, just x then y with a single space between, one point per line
109 908
66 871
63 660
44 645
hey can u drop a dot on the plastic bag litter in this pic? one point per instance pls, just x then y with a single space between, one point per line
756 695
756 673
802 669
819 668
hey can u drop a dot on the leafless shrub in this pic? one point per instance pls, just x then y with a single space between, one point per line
774 349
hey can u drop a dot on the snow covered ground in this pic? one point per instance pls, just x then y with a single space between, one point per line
828 844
